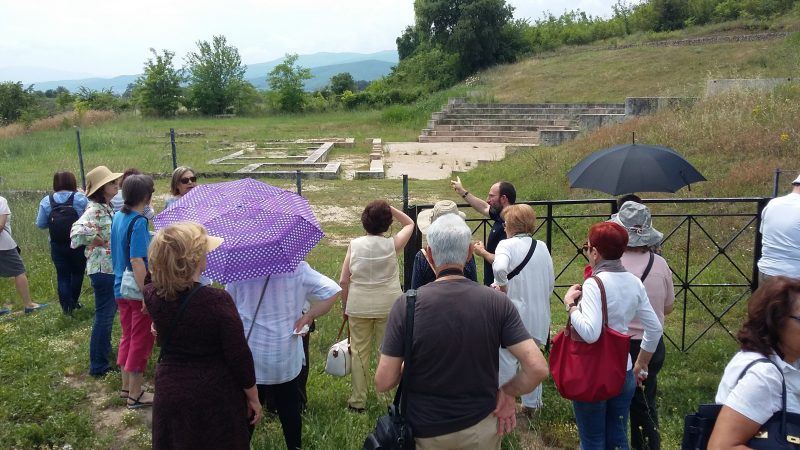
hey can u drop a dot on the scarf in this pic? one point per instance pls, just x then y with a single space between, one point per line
608 265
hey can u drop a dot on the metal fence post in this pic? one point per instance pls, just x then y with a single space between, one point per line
174 150
299 182
776 180
414 243
80 158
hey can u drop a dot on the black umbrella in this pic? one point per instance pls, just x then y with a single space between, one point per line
629 168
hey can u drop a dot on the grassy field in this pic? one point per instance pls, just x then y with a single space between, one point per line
735 140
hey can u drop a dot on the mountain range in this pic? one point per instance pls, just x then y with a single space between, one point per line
323 65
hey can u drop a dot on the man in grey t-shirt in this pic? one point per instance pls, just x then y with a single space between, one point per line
459 325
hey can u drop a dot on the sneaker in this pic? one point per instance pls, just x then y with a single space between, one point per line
4 311
34 308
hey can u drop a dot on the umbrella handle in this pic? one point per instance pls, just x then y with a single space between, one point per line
258 306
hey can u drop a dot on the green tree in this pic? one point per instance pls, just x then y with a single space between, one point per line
15 101
471 29
286 80
104 99
216 74
343 82
158 89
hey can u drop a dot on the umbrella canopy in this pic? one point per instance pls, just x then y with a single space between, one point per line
266 229
629 168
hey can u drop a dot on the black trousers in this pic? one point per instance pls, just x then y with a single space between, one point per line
287 403
643 412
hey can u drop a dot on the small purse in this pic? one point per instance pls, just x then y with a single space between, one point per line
339 359
781 431
590 372
392 431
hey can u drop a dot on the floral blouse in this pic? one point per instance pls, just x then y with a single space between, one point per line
95 221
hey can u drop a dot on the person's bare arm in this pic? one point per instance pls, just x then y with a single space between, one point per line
388 373
139 271
480 250
344 281
732 430
533 369
477 203
317 309
3 220
402 236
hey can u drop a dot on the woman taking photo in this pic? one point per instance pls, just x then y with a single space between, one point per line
529 290
772 330
93 230
205 377
370 284
183 180
58 211
130 239
603 424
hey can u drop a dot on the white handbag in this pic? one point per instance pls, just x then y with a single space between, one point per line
338 362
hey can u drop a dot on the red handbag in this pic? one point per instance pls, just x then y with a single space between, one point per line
590 372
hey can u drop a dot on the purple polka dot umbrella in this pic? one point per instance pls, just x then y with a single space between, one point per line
266 229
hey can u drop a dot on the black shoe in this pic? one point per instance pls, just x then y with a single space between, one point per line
78 305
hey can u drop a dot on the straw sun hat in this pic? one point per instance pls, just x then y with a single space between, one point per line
442 207
636 219
98 177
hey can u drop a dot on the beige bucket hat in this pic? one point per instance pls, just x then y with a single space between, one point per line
637 221
442 207
98 177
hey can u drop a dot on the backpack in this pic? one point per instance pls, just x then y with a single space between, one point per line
62 216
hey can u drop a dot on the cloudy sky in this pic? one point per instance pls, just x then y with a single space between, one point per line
108 38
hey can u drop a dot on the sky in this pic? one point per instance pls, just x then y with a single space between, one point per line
108 38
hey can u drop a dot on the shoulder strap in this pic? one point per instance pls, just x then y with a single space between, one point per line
521 265
649 266
602 299
783 387
70 199
128 241
401 400
174 323
52 203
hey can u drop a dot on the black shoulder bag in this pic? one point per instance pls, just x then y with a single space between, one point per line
781 431
174 323
521 265
392 431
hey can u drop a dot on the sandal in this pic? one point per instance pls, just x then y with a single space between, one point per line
123 393
137 403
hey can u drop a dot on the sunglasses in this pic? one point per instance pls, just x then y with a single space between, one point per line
186 180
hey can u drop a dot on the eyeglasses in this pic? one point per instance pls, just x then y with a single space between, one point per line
186 180
585 247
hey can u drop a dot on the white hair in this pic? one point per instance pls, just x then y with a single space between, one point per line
449 239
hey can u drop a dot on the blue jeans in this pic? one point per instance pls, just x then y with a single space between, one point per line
105 308
604 425
70 264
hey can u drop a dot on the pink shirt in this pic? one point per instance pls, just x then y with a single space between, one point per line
658 286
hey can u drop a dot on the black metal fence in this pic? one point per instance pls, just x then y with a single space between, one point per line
711 244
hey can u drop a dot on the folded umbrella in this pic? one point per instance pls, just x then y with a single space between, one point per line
629 168
266 229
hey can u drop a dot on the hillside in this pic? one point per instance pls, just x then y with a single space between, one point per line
599 74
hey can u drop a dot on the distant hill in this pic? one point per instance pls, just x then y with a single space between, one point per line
360 70
363 66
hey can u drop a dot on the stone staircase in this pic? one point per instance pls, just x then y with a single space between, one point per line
532 124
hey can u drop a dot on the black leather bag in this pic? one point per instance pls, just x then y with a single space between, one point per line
392 431
781 431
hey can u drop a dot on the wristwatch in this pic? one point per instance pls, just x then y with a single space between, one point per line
569 305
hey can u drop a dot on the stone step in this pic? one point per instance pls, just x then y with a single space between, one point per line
488 122
481 133
538 105
507 139
533 126
526 111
